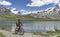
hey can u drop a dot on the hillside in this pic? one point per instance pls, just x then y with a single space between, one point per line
6 14
53 13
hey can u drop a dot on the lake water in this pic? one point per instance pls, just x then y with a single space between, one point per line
35 25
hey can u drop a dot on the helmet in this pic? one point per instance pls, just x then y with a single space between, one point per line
18 19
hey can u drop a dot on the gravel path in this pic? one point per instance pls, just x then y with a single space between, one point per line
9 34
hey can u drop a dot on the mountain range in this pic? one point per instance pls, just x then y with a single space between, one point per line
9 14
13 13
53 12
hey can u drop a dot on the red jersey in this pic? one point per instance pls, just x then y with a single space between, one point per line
17 25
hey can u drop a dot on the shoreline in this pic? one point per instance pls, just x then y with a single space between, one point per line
30 20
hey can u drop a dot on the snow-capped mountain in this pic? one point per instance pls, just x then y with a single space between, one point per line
52 12
13 10
19 12
5 11
24 12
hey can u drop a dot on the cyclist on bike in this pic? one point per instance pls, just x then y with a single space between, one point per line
18 24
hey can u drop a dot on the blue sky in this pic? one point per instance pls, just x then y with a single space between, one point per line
21 4
30 5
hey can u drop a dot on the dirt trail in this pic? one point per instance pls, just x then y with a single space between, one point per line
9 34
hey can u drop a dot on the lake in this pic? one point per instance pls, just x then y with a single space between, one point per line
40 26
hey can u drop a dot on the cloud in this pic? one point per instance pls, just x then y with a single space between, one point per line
6 3
13 10
24 12
39 3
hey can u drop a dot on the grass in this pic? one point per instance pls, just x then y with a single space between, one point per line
58 36
37 33
5 27
7 16
58 31
33 19
1 35
49 33
52 33
25 18
40 33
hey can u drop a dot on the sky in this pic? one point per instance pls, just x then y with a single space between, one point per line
29 5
